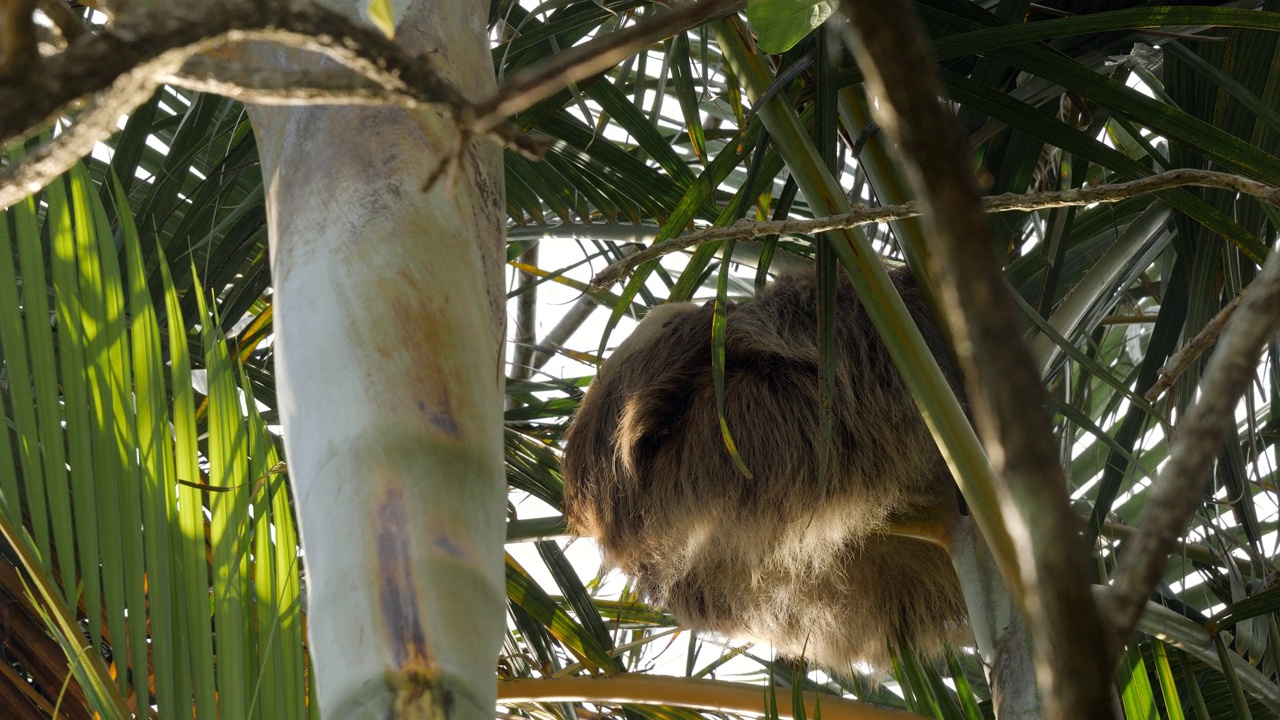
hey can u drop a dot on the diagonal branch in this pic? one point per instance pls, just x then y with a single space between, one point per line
1181 360
595 56
1177 490
1004 391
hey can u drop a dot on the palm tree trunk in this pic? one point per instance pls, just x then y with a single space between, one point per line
390 313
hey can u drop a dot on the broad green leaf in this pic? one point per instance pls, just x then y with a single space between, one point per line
780 24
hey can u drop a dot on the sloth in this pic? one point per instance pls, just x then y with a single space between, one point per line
779 556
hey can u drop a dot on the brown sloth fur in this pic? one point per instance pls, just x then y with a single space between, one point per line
765 558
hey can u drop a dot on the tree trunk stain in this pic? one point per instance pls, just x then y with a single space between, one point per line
397 590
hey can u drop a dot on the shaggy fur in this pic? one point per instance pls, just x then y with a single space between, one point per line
769 558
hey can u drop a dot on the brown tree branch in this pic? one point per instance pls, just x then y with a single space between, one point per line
1072 665
273 86
49 160
156 42
120 66
1181 360
1177 490
1008 202
164 36
525 88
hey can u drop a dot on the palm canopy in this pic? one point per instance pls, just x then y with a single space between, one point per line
674 139
1117 288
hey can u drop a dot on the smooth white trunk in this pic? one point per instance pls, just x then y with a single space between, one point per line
389 319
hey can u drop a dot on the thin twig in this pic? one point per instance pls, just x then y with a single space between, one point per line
1008 202
1177 490
527 87
1181 360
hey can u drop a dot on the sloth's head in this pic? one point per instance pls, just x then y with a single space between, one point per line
778 556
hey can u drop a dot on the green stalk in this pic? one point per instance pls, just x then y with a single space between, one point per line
937 402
